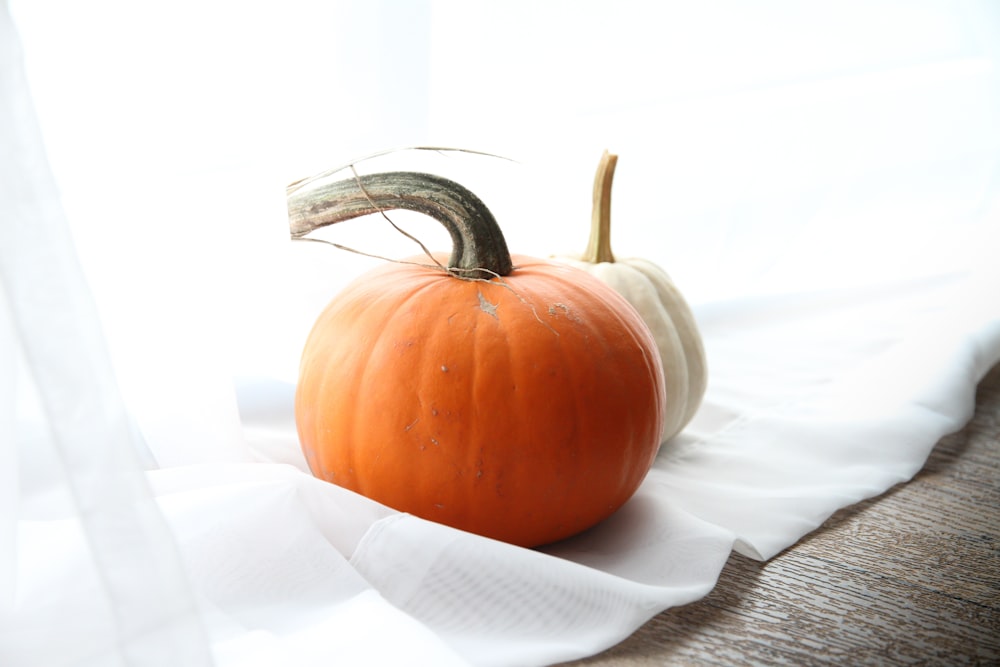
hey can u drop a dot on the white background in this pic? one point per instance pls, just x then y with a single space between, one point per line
765 147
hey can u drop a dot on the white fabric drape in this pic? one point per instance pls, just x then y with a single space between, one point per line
76 504
822 185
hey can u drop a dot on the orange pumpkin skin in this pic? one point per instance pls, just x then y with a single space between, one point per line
525 411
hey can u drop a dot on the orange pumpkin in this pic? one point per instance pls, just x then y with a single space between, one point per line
512 397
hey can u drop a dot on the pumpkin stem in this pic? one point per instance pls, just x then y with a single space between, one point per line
599 246
478 245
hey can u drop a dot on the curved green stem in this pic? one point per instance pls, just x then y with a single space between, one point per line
478 245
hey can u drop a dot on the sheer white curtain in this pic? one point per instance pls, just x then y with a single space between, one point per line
820 180
74 490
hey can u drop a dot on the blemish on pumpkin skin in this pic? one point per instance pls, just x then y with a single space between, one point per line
556 308
487 307
411 425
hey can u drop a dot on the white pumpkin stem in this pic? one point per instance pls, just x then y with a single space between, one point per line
478 245
599 246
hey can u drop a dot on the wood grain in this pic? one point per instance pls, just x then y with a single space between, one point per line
909 578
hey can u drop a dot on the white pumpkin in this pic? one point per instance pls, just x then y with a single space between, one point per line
662 306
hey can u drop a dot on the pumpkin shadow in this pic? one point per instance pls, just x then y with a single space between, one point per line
649 541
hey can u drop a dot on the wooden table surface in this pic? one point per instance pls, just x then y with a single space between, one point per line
911 577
